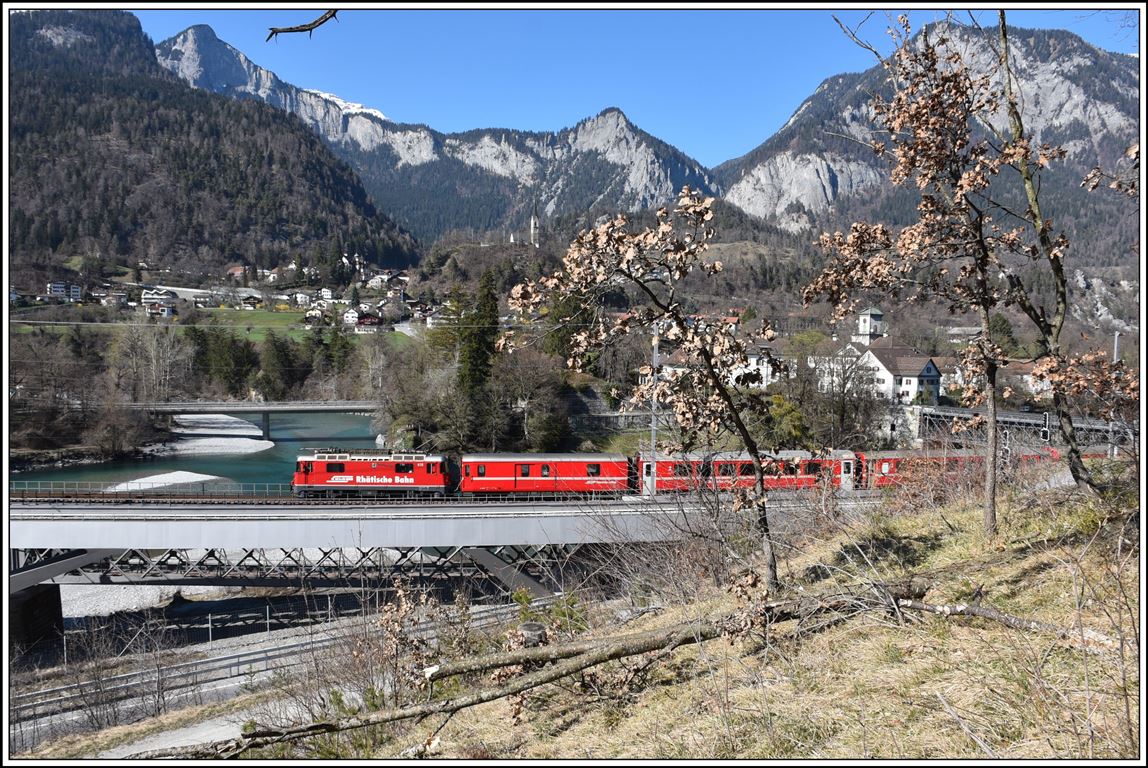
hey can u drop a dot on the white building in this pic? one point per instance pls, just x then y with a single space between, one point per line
901 373
870 326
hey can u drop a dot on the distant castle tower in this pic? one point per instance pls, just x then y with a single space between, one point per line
534 226
870 326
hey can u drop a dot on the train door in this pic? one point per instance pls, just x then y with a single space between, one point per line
649 480
847 466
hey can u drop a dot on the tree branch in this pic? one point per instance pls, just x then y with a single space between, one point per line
308 28
1088 640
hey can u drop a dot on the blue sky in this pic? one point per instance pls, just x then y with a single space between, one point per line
715 83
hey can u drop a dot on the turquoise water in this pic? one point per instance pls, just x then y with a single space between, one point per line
292 433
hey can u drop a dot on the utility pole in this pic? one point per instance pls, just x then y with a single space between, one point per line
1112 423
654 421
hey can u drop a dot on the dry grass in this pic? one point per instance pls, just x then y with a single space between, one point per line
88 745
871 685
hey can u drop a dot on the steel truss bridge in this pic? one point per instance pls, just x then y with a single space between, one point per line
1027 427
230 542
149 541
535 569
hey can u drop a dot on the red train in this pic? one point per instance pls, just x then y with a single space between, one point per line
334 472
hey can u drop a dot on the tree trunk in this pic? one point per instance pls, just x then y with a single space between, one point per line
991 430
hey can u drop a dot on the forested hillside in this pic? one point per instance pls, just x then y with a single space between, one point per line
114 161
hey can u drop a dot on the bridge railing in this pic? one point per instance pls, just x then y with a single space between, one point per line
132 489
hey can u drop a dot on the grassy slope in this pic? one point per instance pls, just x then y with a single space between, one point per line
873 685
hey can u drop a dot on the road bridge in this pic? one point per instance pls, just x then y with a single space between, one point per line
262 409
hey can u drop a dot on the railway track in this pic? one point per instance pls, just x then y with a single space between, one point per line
282 495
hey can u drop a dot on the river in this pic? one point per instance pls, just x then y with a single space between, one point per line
244 458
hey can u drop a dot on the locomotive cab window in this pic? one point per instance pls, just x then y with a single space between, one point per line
430 468
593 470
335 467
404 469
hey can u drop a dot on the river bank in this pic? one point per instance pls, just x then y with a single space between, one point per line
189 435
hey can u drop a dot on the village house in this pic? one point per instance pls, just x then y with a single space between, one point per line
901 373
351 317
367 323
63 290
158 296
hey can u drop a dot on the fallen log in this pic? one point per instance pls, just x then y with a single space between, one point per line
571 658
863 596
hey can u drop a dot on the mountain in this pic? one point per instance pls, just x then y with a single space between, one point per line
1072 93
816 174
114 161
487 179
811 174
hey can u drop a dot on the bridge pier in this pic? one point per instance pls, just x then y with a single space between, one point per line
267 425
34 614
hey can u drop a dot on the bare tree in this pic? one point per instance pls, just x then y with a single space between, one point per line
941 138
711 397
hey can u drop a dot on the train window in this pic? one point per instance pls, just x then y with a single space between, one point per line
682 470
404 469
884 467
524 470
649 468
790 468
430 468
482 470
374 465
546 470
593 470
466 470
334 467
725 469
745 470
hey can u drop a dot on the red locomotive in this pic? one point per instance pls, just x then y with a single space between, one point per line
334 472
363 471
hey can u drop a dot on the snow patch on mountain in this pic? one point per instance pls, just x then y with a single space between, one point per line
348 107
